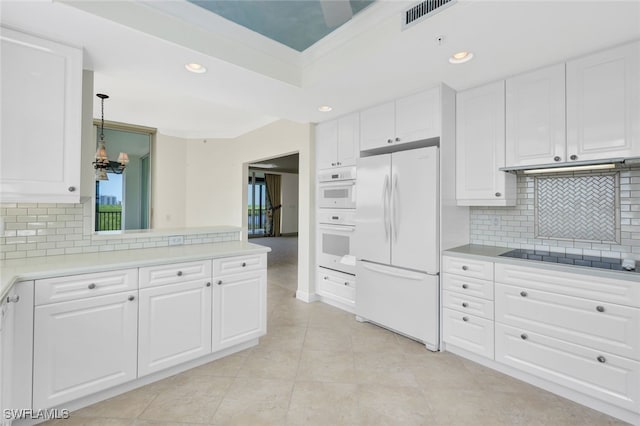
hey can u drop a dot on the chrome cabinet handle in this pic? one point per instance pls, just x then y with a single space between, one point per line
557 158
600 308
132 298
333 164
389 140
91 286
13 299
574 157
72 189
219 282
523 336
524 293
244 264
465 319
208 284
346 283
465 267
325 278
339 163
465 286
601 359
465 305
179 273
397 139
498 194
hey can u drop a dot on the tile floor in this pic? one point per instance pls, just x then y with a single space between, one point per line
318 366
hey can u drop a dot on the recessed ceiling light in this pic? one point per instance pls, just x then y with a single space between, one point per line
461 57
325 108
197 68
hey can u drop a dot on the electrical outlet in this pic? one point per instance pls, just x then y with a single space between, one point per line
496 220
176 240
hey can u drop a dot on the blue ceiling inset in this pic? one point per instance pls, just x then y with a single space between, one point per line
294 23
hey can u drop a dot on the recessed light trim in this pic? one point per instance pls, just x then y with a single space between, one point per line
325 108
461 57
196 68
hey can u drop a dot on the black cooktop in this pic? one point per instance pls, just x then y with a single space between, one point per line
568 259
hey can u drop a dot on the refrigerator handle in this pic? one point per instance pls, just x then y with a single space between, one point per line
385 203
393 272
394 208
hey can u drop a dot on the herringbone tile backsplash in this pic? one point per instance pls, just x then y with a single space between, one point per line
595 214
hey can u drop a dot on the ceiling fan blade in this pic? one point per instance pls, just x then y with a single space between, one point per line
336 12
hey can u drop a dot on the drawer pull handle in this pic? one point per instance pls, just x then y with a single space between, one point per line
389 140
524 336
465 319
465 267
13 299
219 282
92 286
346 283
557 158
601 359
325 278
465 286
208 284
244 264
498 194
465 305
132 298
574 157
524 293
600 308
179 273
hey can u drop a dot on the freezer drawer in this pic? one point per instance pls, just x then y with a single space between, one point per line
401 300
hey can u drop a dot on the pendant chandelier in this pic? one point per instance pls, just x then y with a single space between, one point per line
102 163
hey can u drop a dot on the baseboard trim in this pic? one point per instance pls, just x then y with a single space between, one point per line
306 297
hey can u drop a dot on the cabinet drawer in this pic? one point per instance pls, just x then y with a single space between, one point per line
233 265
73 287
606 289
468 286
173 273
468 267
600 325
341 287
468 332
595 373
468 304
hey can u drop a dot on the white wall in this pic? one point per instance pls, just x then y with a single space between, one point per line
289 218
168 182
216 189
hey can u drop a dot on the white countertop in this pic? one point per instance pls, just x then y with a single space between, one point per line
492 254
12 271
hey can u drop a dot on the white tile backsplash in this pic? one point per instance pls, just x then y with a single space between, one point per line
515 226
49 229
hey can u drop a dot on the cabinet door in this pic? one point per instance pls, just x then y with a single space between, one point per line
41 119
83 346
536 117
348 140
6 353
468 332
418 116
480 133
240 309
326 144
603 104
175 325
377 126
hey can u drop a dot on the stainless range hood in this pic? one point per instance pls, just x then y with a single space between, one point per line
574 166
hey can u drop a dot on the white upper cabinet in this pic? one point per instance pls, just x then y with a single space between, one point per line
535 120
409 119
603 104
41 119
337 142
480 145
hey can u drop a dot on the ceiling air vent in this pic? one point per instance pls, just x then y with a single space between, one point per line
423 10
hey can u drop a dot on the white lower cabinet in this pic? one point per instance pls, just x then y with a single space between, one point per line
599 374
336 287
240 308
469 332
83 346
174 325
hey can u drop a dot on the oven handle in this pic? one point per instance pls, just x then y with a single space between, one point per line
337 183
338 228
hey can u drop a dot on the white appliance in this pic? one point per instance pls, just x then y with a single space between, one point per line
396 242
336 189
336 229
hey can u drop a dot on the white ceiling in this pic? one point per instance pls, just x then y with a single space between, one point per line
138 51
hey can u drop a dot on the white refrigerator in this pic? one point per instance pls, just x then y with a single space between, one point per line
396 243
